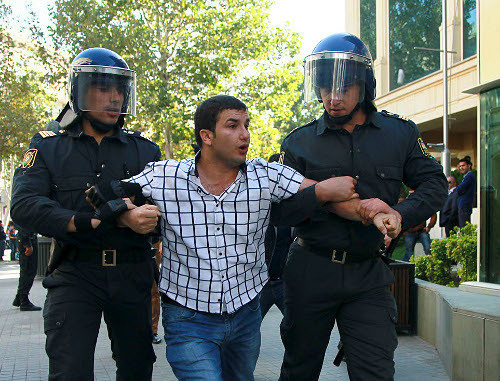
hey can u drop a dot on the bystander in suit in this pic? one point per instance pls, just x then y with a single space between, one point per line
448 217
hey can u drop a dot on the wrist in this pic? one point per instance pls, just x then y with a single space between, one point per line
83 221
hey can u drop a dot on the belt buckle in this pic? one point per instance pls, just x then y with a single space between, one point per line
334 253
105 257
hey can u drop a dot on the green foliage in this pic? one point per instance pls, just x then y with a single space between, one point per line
461 248
185 51
26 102
368 27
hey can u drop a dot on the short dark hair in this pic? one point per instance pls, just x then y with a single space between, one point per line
206 114
466 160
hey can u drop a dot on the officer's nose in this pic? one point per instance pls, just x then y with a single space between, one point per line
115 95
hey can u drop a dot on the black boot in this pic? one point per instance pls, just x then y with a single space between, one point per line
26 305
17 301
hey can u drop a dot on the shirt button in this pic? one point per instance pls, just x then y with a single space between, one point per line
88 184
382 175
217 205
357 177
358 150
98 175
103 165
220 253
218 229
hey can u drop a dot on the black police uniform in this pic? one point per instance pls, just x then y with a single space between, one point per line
319 288
47 191
27 264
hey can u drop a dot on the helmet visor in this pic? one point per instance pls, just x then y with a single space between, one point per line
103 89
329 76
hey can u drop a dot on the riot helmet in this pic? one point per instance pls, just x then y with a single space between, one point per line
99 71
336 63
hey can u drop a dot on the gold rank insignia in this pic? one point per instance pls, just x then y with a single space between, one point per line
29 158
47 134
282 157
423 148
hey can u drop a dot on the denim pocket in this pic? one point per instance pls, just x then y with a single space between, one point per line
173 313
254 304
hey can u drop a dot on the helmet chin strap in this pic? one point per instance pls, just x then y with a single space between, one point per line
341 120
99 126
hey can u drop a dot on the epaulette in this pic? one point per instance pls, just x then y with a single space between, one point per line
300 127
47 134
392 115
136 134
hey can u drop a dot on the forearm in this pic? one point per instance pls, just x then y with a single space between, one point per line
345 209
295 209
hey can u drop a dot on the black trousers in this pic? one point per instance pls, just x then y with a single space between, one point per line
319 293
27 269
464 216
78 294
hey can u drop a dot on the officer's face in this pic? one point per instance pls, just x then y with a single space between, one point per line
463 167
340 104
229 143
105 102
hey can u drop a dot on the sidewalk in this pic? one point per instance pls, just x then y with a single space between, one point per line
22 342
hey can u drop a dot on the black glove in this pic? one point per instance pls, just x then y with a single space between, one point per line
110 210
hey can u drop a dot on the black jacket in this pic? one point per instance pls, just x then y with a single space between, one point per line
48 189
449 214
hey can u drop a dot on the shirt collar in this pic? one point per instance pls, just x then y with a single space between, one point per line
77 132
194 171
373 119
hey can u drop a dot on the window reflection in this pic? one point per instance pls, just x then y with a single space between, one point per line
413 23
368 25
469 31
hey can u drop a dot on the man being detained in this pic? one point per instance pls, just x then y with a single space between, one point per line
215 209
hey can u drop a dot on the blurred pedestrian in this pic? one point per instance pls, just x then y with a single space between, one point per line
12 235
3 238
448 217
28 262
466 191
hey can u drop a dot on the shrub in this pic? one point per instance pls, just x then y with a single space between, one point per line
460 247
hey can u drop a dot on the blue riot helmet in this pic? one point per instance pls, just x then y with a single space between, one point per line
108 72
336 63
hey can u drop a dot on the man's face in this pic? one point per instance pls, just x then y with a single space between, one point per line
463 167
105 101
340 104
231 138
451 183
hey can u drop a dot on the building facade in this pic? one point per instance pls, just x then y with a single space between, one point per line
406 41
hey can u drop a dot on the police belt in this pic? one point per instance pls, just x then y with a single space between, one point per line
109 257
336 256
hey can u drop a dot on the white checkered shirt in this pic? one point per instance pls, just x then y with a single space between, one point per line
213 246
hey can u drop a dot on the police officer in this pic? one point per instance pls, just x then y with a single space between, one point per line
99 267
28 262
333 273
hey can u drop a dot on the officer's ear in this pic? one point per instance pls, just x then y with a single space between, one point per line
207 137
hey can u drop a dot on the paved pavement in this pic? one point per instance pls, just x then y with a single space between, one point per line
22 353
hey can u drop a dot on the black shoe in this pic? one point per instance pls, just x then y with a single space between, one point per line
17 301
156 339
26 305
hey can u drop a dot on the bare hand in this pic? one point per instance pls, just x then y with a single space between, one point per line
387 241
388 224
28 251
336 189
141 219
370 207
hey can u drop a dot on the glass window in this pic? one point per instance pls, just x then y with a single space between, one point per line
490 186
470 31
413 23
368 25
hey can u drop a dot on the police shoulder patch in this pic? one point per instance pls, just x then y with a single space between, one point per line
423 147
29 158
282 157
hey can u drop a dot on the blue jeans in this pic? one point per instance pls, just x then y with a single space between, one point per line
272 293
212 347
411 239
